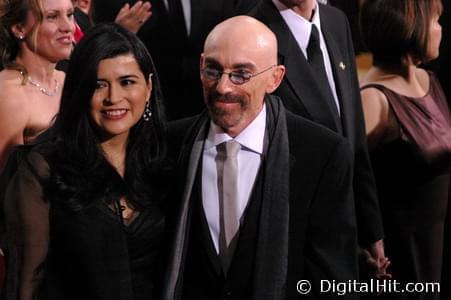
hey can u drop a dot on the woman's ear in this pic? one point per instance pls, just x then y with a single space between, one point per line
276 78
19 31
149 87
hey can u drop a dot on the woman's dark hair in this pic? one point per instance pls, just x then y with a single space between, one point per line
14 12
80 159
393 29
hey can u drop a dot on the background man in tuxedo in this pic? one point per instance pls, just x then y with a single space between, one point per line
252 223
82 13
321 84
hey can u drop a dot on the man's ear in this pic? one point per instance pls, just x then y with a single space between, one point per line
201 61
276 78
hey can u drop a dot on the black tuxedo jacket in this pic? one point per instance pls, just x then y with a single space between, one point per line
302 96
318 211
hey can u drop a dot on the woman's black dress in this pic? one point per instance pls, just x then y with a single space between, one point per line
56 250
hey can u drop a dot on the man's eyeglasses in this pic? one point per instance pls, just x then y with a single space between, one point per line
236 77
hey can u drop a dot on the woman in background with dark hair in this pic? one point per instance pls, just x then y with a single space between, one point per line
84 215
408 125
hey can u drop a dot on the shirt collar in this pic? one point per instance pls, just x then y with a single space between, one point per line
251 138
302 26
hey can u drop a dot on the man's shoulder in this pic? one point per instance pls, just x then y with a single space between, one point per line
180 125
331 11
300 126
306 136
333 20
184 126
262 10
182 130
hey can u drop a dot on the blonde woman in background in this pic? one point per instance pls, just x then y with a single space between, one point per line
34 36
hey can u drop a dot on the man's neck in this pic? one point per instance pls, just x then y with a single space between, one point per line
305 9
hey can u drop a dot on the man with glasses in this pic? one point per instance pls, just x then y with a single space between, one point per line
264 196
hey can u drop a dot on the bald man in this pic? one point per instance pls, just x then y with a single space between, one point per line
265 196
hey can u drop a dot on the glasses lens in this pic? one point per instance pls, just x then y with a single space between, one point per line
239 77
212 74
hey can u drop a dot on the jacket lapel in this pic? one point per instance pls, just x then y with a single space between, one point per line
298 74
271 256
340 69
177 255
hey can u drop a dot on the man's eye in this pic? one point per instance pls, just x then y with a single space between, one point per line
212 72
244 73
241 74
237 75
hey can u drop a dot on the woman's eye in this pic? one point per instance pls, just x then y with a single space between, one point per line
51 17
100 84
126 82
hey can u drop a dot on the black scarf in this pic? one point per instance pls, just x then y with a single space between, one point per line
270 272
271 262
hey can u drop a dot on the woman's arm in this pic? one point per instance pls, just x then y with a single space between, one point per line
380 123
27 228
13 120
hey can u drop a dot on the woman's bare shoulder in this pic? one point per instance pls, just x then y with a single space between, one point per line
60 76
12 91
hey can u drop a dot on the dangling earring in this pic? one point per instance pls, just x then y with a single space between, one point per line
147 113
20 37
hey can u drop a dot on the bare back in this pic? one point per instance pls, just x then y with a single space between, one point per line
380 121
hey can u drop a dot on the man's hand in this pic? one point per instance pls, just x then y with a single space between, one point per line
132 18
375 258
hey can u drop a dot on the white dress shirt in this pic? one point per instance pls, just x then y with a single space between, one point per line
249 159
301 29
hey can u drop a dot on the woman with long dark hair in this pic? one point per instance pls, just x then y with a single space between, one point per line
84 210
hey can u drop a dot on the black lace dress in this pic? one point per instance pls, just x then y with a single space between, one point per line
56 250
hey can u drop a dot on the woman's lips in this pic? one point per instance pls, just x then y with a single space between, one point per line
114 114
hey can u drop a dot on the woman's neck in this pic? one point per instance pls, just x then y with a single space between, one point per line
115 150
37 67
407 74
409 82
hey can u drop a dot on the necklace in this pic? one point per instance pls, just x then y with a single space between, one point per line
40 87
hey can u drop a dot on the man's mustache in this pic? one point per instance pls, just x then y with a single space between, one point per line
226 98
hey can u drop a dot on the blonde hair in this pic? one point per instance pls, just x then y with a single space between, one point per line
14 12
